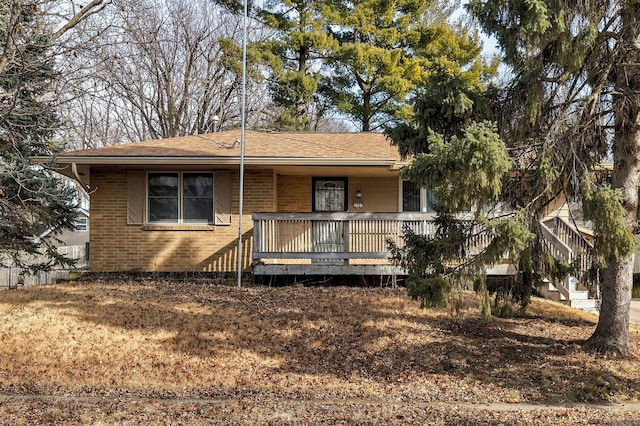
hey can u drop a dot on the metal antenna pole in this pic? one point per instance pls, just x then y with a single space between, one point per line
242 128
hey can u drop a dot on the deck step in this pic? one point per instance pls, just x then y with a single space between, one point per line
589 305
578 299
578 295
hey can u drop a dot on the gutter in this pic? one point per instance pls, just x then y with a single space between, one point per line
256 161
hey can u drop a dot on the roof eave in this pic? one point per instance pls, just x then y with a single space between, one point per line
202 160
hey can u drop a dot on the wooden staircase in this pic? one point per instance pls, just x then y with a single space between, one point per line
568 246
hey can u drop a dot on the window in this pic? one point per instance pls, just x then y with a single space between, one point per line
410 196
180 197
416 199
81 224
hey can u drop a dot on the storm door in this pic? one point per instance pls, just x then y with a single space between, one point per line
329 195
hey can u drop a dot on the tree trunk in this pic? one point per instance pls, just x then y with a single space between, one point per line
366 111
612 332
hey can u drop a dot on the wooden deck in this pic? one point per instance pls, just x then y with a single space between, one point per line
335 246
331 243
358 243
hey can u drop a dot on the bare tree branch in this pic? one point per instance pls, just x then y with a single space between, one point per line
95 6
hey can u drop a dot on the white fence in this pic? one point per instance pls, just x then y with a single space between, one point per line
13 277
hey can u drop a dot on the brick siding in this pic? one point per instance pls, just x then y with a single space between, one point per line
294 194
116 246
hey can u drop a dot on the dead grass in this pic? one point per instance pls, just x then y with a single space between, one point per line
262 346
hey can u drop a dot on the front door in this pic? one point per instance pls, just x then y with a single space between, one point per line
329 195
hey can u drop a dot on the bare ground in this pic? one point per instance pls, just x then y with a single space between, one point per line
181 353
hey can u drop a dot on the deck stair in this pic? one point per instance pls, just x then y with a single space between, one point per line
568 245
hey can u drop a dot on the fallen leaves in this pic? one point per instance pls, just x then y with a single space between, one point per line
289 355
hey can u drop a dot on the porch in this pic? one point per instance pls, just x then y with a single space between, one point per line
357 244
335 243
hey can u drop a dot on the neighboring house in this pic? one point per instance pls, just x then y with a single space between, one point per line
314 204
73 244
76 237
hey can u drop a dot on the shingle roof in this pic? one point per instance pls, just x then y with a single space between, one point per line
257 144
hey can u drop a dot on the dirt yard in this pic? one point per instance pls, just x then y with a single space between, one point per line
181 353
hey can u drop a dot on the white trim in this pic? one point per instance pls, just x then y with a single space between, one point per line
209 160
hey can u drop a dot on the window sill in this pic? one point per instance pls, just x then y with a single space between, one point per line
178 227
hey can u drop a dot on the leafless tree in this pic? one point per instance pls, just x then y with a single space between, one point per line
154 69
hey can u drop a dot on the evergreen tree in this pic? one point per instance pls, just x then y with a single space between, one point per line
295 58
573 101
453 93
385 51
459 156
32 200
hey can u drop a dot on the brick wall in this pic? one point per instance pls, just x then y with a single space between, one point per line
380 194
116 246
294 194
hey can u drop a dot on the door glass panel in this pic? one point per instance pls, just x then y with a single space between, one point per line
330 195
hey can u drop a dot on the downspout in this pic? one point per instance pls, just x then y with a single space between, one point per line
83 186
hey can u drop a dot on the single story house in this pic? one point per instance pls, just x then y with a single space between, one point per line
321 204
314 203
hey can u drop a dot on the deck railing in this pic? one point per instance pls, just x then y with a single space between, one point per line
333 235
341 236
581 250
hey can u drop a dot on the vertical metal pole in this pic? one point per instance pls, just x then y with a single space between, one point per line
242 128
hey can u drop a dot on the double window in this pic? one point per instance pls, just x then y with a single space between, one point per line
180 197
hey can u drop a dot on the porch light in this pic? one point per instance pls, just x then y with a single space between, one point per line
358 204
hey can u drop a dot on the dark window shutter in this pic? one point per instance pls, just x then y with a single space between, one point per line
223 198
136 197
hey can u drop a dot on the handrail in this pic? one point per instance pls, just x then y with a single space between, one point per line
574 239
564 229
558 247
560 251
409 216
332 235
